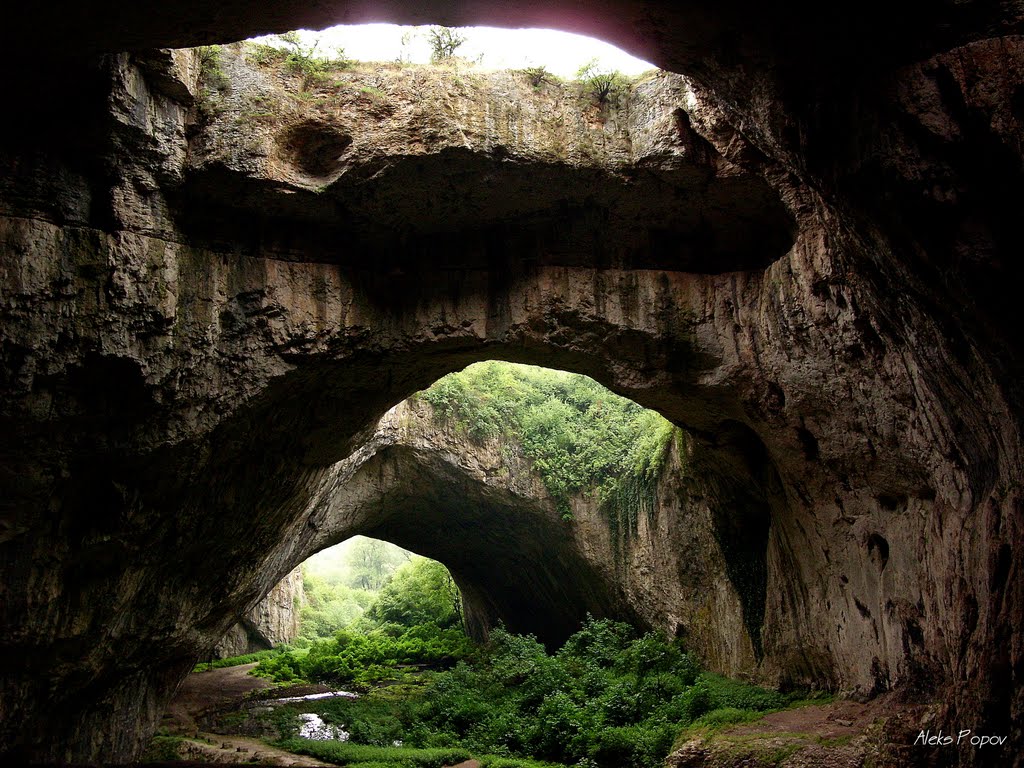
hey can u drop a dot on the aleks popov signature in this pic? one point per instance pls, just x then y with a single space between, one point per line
963 738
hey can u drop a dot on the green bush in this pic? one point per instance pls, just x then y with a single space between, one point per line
248 658
496 761
299 59
163 749
210 71
607 699
416 618
735 694
695 702
538 75
723 716
264 55
420 592
580 436
345 753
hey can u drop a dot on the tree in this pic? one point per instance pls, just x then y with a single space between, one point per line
420 592
599 82
444 41
372 561
304 60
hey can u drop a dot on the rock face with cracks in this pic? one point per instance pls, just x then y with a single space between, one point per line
273 620
203 313
675 568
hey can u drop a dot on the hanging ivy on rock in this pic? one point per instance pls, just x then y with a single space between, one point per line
580 436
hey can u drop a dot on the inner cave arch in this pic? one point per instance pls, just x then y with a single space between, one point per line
481 508
512 557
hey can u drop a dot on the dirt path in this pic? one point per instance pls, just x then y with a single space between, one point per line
219 689
213 689
213 748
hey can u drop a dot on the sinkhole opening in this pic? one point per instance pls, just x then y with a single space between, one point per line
539 490
560 53
393 148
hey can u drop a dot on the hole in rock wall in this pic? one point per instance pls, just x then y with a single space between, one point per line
493 470
542 491
364 584
315 149
878 550
550 499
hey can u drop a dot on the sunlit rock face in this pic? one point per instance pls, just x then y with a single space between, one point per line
481 508
272 621
396 167
189 343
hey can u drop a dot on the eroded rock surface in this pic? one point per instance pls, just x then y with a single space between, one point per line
190 344
272 621
398 166
670 566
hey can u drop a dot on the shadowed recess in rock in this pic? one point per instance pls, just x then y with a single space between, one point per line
425 168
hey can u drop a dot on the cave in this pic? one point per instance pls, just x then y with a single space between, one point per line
523 561
802 248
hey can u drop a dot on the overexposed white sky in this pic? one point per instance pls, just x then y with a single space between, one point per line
563 53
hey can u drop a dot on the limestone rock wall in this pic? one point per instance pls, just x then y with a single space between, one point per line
273 620
519 563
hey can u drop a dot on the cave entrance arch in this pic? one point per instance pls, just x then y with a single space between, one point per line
538 565
885 459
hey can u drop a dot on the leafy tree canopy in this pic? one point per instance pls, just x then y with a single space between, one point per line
420 592
372 561
444 42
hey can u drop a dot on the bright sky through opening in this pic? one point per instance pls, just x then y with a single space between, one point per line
562 53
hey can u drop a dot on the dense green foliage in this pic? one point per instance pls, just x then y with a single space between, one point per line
419 593
414 619
371 562
210 71
400 757
342 582
579 435
609 698
246 658
345 753
162 749
299 59
329 607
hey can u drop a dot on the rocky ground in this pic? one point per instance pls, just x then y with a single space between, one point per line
839 734
203 691
223 690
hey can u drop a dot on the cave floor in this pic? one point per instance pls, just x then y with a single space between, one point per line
838 734
221 690
217 749
204 691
